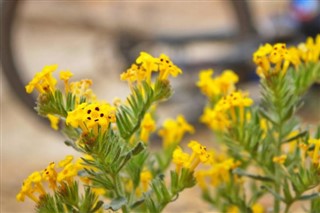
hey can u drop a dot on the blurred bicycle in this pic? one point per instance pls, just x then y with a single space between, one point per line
106 37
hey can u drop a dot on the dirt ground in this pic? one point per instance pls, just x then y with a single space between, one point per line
81 36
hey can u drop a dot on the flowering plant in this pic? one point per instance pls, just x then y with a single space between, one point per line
116 169
265 150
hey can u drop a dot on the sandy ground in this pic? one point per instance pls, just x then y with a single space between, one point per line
26 143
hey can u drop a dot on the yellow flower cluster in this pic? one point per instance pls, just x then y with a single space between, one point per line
92 116
82 89
146 64
232 105
219 86
272 60
173 130
33 186
218 173
43 81
184 160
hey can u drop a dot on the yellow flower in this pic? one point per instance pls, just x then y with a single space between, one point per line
216 120
279 159
207 84
68 173
50 174
82 89
215 87
30 186
201 179
148 65
180 158
91 116
98 114
43 81
257 208
166 67
173 130
145 178
264 127
68 159
315 155
65 76
134 73
232 101
74 117
54 121
148 126
227 81
233 209
310 50
260 57
199 155
272 60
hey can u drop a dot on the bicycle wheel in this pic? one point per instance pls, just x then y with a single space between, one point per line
66 33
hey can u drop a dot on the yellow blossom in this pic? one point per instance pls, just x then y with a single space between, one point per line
65 76
279 159
233 209
227 81
32 185
166 67
173 130
68 173
180 158
148 126
148 64
43 81
50 174
134 73
272 60
257 208
315 153
145 178
81 89
54 121
199 155
75 117
229 103
215 87
216 120
91 116
68 159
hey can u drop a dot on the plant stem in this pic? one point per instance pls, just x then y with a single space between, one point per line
119 192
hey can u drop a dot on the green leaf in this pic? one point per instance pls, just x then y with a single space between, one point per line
97 206
300 135
241 172
276 195
138 148
116 204
310 196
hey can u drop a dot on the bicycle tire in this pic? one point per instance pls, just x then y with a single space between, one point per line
9 68
9 64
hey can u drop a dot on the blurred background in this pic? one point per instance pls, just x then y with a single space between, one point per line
100 39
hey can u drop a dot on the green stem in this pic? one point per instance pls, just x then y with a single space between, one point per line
119 192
